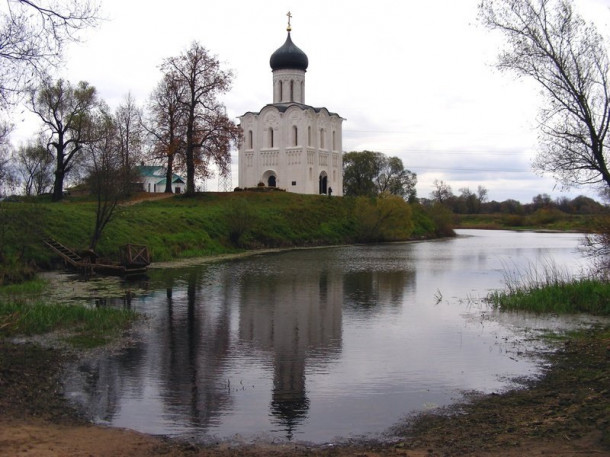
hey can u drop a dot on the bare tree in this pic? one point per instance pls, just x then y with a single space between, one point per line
7 173
130 139
208 131
105 171
551 44
35 165
66 113
33 34
218 135
441 192
482 194
166 125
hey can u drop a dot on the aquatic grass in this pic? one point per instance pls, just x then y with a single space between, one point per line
552 290
33 286
20 317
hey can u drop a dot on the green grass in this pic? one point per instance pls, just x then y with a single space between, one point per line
34 286
587 295
182 227
87 327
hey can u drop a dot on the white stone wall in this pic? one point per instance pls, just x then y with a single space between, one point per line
270 148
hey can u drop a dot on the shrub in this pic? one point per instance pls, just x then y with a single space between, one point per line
386 218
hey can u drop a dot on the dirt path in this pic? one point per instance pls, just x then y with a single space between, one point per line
565 414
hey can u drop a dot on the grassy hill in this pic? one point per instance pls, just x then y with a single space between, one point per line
208 224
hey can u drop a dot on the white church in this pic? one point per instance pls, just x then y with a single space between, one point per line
288 144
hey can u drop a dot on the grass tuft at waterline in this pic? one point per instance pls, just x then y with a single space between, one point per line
84 327
584 295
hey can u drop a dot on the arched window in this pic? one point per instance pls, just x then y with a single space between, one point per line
334 141
295 135
270 137
291 90
250 140
321 138
309 136
302 100
281 91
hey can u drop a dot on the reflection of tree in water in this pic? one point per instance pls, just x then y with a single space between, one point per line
195 344
292 316
368 291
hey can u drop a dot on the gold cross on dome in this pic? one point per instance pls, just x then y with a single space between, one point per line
289 28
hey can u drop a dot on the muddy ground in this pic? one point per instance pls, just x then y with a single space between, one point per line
566 413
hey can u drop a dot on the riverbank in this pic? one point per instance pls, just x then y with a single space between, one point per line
207 224
565 413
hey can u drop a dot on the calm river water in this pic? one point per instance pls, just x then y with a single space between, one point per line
324 344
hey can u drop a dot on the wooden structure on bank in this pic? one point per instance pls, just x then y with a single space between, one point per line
134 259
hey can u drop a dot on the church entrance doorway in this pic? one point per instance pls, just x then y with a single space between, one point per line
323 183
269 178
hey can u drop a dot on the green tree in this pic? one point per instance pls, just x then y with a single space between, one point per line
369 173
394 179
66 112
548 42
359 172
385 218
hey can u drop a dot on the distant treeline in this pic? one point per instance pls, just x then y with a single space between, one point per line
468 202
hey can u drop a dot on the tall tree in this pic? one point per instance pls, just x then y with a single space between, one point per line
395 179
33 34
369 173
166 125
65 112
130 139
208 131
359 172
106 171
551 44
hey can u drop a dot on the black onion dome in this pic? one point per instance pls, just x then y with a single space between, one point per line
289 56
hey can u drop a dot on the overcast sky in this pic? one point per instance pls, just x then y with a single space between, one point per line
413 79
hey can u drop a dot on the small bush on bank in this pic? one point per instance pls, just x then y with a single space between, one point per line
386 218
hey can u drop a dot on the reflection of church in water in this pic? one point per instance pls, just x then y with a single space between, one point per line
300 325
289 144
